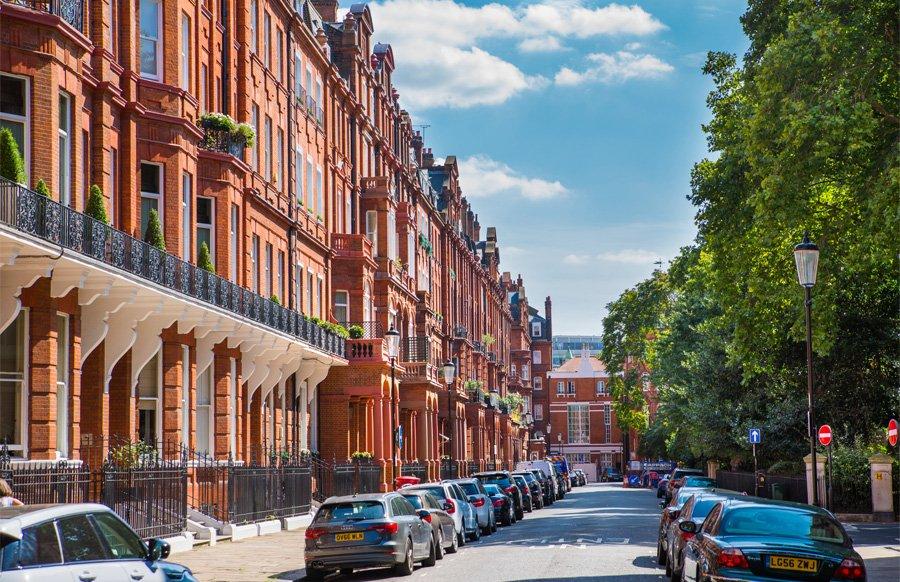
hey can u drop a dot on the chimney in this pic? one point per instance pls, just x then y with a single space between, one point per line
427 158
327 8
477 231
417 147
548 315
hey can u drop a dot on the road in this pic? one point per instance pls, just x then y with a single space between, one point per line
599 532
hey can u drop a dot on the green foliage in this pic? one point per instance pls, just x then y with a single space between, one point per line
96 208
244 131
42 188
275 300
129 454
488 340
356 332
361 456
217 122
204 261
154 232
12 166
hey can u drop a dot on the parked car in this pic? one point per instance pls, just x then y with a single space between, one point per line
662 486
534 489
442 525
84 541
677 479
481 501
456 504
699 481
561 486
747 537
504 480
582 477
548 468
522 484
611 475
670 512
546 487
361 531
503 504
562 467
695 509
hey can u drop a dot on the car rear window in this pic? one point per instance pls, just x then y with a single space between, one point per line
492 489
501 480
781 522
470 488
529 477
415 500
436 491
699 482
350 510
703 507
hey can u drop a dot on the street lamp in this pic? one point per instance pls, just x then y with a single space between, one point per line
392 339
494 404
449 375
806 255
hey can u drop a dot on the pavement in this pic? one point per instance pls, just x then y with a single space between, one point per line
600 532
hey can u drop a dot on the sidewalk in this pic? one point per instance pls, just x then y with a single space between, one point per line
879 546
277 556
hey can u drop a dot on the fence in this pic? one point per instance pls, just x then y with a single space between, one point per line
415 470
449 470
776 486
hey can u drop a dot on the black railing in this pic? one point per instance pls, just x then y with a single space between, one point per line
226 142
449 470
472 467
71 11
490 466
775 486
29 212
416 349
415 469
460 331
48 482
371 329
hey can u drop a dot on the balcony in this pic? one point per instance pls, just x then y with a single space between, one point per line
368 349
70 11
415 349
371 329
30 213
460 332
351 246
224 142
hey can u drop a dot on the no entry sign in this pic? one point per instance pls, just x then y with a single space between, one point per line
825 435
892 432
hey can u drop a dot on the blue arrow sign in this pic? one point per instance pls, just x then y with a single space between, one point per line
755 436
399 436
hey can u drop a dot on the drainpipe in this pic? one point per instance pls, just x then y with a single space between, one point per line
292 205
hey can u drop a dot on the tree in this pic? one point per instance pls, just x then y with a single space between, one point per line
12 166
42 188
96 208
154 232
204 261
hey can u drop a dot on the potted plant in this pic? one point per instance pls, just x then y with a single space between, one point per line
360 456
12 166
488 340
356 332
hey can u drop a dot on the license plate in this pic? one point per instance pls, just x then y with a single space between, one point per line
793 564
348 537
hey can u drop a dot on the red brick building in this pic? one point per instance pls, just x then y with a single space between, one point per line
332 212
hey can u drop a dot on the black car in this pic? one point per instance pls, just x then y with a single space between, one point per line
503 504
611 475
546 488
695 509
522 484
534 488
504 480
748 538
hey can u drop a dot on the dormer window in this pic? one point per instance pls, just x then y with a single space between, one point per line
536 329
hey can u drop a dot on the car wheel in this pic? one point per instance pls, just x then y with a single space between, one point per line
494 525
405 568
660 555
431 560
461 538
439 545
486 530
346 571
520 514
314 574
452 549
668 566
476 534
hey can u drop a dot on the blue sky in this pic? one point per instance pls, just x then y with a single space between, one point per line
576 124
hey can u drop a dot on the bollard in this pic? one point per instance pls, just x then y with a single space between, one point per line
882 488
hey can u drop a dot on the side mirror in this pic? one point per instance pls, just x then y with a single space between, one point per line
424 514
688 526
662 504
472 499
157 549
448 506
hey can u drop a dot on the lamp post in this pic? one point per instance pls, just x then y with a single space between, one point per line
495 402
528 418
806 255
392 338
449 376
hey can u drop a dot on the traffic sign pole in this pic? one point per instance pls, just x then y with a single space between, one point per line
755 473
826 436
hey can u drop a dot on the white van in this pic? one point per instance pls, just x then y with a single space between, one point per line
547 467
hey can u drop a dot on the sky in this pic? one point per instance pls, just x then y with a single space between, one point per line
576 124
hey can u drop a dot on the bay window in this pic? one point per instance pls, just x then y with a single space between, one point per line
63 175
62 385
151 39
12 383
206 226
148 390
151 194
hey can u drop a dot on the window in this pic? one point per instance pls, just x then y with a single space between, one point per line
392 235
206 226
254 264
410 252
298 77
607 424
368 310
281 176
62 385
279 48
309 184
14 113
579 424
267 39
149 418
233 241
122 542
254 26
39 546
601 387
112 16
279 282
525 372
186 195
204 411
309 85
232 405
571 387
320 297
151 41
113 183
268 146
539 412
204 73
268 269
185 395
186 53
341 307
63 175
254 119
538 383
79 540
83 169
536 357
309 292
536 331
320 192
560 387
298 177
298 287
151 194
372 230
578 457
512 370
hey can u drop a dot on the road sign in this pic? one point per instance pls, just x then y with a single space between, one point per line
825 435
399 436
755 436
892 432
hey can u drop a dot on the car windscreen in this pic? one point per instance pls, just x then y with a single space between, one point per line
436 491
501 480
520 481
529 477
492 489
415 500
350 511
470 488
699 482
702 507
768 521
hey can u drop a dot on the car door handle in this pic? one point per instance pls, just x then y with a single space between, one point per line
87 577
136 575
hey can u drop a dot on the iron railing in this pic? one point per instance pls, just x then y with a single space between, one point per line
472 467
49 482
71 11
415 469
776 486
460 331
416 349
449 470
217 140
371 329
37 215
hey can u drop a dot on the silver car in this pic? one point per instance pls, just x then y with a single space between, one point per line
455 503
361 531
481 502
79 541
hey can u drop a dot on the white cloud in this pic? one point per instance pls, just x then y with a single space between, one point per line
440 62
629 256
633 46
612 68
480 176
576 259
545 44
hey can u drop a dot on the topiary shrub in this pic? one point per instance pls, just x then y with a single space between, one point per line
154 232
96 208
42 188
275 300
12 166
204 261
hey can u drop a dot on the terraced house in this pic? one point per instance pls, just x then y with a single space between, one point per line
211 194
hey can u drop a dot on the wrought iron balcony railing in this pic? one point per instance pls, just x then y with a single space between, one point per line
460 331
371 329
71 11
223 142
46 219
416 349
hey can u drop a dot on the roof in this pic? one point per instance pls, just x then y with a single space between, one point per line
14 519
582 363
359 497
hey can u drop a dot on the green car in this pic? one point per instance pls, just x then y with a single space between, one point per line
748 538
